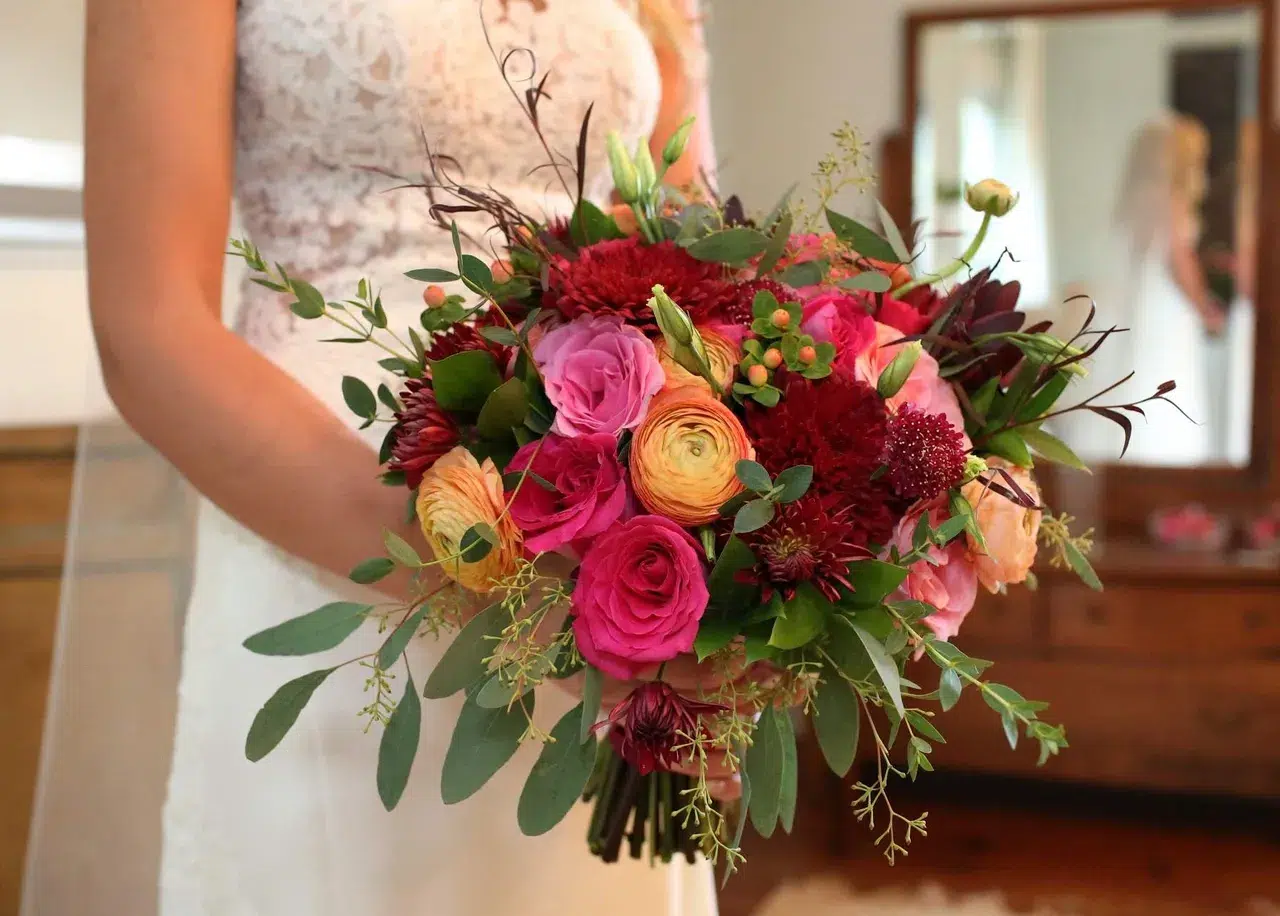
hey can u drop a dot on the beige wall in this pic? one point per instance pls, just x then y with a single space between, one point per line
40 70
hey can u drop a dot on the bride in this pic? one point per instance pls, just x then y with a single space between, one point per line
283 104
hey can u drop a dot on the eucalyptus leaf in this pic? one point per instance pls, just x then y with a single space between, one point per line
864 241
873 581
869 280
399 746
885 667
1080 565
432 275
371 570
804 619
310 303
506 407
592 692
713 635
502 336
893 235
729 246
794 482
949 688
483 741
727 593
837 720
476 273
497 692
753 516
279 713
1051 447
806 273
765 766
398 641
753 476
463 381
400 550
463 663
559 777
474 546
790 772
360 400
318 631
744 807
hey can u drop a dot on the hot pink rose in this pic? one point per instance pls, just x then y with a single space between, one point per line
836 317
640 595
924 388
950 583
591 490
600 374
913 313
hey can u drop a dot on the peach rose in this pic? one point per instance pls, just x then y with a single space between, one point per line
684 456
1009 529
458 492
722 354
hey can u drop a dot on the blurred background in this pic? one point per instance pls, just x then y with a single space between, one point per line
1140 136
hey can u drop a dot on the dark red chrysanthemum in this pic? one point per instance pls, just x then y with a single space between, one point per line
810 540
422 433
839 426
617 278
462 337
925 453
654 720
738 309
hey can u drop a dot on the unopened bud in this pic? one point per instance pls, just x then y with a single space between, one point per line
624 171
758 376
808 355
646 174
781 319
675 146
895 374
990 196
773 358
434 296
974 467
502 272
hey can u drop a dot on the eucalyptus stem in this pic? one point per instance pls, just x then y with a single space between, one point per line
954 267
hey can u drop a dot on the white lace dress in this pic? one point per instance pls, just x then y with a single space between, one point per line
327 88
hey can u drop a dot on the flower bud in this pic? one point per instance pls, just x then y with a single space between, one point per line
895 374
675 146
807 355
757 376
502 271
684 343
973 468
991 197
434 296
625 179
781 319
646 174
773 358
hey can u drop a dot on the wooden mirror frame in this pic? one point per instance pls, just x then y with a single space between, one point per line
1128 494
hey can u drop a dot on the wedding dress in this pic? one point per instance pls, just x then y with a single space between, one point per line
331 95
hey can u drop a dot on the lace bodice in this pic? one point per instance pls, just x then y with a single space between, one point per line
334 95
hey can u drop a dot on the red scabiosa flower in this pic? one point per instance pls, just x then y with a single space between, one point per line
925 453
617 278
839 426
737 310
652 722
422 433
810 540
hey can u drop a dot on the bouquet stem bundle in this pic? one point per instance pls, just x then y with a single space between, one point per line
643 809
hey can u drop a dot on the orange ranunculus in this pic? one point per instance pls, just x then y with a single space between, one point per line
625 218
722 354
684 456
456 493
1009 529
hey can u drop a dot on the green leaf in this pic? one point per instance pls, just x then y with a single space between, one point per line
506 407
476 273
483 741
713 635
869 280
1080 565
960 508
464 380
463 663
753 516
431 275
863 240
1009 444
837 720
1044 398
317 631
806 273
873 581
558 778
984 396
590 224
804 619
1051 447
727 593
387 398
278 714
399 746
730 246
893 235
949 687
920 723
950 529
777 245
359 398
475 545
310 303
398 641
884 665
592 691
371 571
790 772
794 482
754 476
765 766
744 806
503 336
497 692
758 648
400 550
1010 729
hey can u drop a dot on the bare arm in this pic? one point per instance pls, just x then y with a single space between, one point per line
1188 273
684 93
158 139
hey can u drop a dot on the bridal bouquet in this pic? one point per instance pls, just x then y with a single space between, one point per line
674 429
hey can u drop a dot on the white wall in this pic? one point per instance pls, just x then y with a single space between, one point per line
40 68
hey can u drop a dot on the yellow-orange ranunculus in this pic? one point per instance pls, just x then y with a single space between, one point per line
722 354
1009 529
684 456
456 493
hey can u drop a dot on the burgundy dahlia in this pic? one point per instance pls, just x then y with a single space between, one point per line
925 453
810 540
422 434
617 278
462 337
653 721
839 426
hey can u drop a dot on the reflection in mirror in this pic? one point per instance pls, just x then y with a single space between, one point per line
1133 140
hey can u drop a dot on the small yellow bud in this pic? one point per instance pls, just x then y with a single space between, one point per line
990 196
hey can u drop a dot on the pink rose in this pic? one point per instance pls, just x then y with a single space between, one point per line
591 490
836 317
925 388
913 313
600 374
950 583
640 595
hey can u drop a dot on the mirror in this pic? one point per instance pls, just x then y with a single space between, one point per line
1133 138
